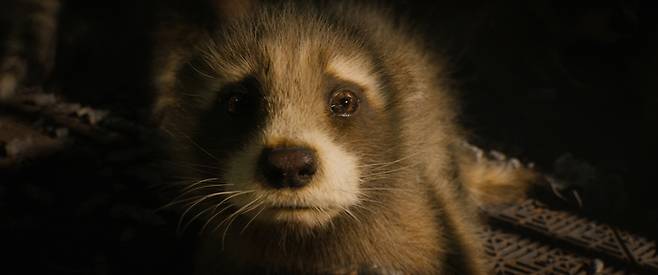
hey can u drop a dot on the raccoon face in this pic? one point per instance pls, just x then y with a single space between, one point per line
296 129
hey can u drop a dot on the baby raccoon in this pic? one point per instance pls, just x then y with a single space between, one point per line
320 138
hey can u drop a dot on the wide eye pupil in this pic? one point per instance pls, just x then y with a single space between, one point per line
346 101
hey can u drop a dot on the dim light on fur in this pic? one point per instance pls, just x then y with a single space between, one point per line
360 95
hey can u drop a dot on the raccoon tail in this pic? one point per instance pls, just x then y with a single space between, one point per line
492 178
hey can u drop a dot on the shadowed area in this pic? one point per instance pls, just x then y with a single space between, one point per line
568 86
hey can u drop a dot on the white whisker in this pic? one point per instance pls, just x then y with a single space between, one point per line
351 214
232 217
235 193
254 217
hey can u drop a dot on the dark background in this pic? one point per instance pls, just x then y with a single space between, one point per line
567 85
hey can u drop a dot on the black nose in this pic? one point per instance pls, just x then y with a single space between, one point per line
291 167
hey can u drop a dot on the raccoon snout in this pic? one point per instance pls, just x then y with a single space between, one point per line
287 167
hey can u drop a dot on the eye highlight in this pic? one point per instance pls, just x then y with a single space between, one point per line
344 103
235 103
241 97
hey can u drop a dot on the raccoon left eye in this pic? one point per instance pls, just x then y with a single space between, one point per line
344 103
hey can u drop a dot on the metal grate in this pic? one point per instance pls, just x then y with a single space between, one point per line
552 229
514 254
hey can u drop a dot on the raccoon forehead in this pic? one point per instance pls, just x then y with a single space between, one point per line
353 69
360 71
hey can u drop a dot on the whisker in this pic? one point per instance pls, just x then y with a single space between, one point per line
383 188
371 200
205 225
192 220
174 202
200 182
254 217
361 207
185 187
232 217
223 209
208 186
189 165
235 193
386 164
206 75
199 147
351 214
374 173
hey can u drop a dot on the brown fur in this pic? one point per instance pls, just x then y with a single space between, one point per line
493 179
27 42
414 215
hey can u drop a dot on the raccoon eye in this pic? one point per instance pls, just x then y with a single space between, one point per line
344 103
241 97
235 103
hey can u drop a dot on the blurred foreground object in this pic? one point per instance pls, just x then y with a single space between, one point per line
28 30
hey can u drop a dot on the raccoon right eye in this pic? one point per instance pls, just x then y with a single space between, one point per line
241 97
235 103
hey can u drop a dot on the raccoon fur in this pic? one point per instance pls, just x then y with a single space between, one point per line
320 138
27 43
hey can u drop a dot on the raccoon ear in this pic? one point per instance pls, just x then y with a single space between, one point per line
233 9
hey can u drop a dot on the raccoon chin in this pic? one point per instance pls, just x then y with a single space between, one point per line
288 208
310 217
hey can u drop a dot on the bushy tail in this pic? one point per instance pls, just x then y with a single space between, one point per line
492 178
